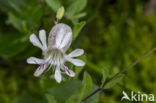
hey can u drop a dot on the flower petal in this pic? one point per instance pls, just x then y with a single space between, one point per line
58 74
76 62
59 37
66 39
40 70
42 36
68 71
76 53
34 40
34 60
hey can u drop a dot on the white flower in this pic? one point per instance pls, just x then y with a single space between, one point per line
59 40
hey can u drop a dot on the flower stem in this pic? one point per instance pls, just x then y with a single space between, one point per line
123 70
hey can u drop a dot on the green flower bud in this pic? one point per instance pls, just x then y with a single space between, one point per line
60 13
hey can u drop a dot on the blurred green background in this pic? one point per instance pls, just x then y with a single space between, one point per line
114 34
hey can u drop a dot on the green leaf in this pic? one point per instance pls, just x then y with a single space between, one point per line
11 44
104 75
77 16
86 88
114 81
54 4
16 22
76 7
62 92
77 28
16 4
95 98
73 99
4 5
10 5
50 98
47 83
87 85
30 98
94 68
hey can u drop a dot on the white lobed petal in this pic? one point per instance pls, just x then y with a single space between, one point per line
34 40
59 37
42 36
68 71
76 62
40 70
66 39
76 53
57 74
34 60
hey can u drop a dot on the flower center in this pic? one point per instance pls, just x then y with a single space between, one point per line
55 56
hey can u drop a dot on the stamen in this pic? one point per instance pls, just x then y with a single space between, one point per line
49 67
56 57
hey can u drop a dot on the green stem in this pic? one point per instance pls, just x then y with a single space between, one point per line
123 70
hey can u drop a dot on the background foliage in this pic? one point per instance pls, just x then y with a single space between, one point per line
113 33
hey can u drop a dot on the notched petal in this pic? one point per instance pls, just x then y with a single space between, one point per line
76 53
60 37
76 62
42 36
34 40
68 71
34 60
40 70
57 75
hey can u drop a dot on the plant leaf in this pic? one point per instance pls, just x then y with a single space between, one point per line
30 98
114 81
47 83
62 92
104 75
85 89
50 98
76 7
11 44
87 85
54 4
77 16
16 22
77 28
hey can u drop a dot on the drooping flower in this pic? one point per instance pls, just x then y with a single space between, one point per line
59 40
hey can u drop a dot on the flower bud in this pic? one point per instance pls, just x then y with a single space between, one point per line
60 13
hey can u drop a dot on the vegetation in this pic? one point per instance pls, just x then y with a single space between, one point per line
113 34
